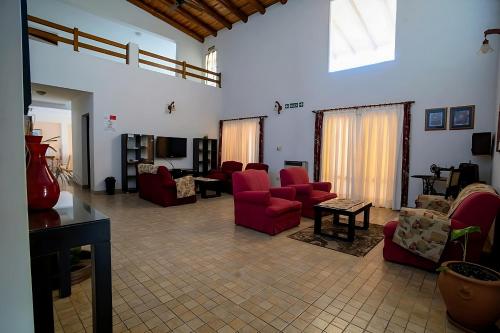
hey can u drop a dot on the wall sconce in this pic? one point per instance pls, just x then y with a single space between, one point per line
277 107
171 107
486 48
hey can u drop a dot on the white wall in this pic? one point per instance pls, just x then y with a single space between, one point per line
283 56
16 312
495 40
80 106
137 97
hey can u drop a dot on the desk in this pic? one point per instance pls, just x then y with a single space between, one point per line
428 182
71 223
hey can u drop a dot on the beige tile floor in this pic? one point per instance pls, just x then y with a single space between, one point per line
190 269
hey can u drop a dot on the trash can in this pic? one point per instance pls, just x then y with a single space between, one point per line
110 185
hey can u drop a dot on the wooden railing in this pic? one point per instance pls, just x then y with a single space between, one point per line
121 50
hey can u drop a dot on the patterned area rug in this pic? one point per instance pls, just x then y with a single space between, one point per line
364 241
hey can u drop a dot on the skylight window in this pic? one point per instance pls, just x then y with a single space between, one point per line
362 32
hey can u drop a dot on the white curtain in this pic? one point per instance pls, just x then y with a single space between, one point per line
211 65
361 154
240 141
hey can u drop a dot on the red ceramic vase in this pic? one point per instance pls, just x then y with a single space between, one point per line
43 189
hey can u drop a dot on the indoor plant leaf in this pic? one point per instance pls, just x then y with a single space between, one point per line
455 234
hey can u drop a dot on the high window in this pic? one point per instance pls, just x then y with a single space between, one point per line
362 32
211 65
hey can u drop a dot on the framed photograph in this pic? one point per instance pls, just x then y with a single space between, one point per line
435 119
462 117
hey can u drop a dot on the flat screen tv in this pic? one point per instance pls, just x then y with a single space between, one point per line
167 147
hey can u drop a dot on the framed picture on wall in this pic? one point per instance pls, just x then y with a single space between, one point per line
435 119
462 117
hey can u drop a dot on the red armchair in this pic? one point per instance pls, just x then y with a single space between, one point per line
477 209
259 207
224 174
160 188
257 166
310 194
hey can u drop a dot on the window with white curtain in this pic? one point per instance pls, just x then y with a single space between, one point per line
361 153
240 141
211 65
362 32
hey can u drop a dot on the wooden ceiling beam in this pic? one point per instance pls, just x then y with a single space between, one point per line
234 9
167 19
190 17
218 17
257 5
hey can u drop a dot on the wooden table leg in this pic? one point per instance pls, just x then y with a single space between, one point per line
42 295
102 313
203 190
366 218
351 228
64 262
336 218
317 221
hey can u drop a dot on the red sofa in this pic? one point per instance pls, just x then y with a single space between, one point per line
160 188
259 207
224 174
257 166
310 194
477 209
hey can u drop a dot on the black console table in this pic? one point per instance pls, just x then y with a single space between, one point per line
71 223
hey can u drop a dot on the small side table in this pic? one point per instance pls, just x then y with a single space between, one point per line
71 223
329 207
205 184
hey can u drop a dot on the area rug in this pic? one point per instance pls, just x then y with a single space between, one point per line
364 241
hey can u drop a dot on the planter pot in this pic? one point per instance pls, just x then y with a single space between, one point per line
471 293
43 189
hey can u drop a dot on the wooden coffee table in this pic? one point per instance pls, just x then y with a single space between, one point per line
345 207
205 184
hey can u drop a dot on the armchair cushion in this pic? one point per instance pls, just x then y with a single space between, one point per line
280 206
322 186
433 202
423 232
302 189
287 193
254 197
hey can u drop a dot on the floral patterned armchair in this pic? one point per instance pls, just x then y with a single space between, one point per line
476 205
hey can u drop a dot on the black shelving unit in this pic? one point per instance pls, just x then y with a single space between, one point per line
136 148
204 155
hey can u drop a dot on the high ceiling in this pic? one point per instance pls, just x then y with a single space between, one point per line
202 18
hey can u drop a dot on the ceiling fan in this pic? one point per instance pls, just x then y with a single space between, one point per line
188 3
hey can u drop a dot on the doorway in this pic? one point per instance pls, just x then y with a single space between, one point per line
86 151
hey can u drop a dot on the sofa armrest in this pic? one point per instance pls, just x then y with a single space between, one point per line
287 193
168 184
433 202
322 186
302 189
254 197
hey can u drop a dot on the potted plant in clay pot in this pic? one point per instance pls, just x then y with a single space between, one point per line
470 291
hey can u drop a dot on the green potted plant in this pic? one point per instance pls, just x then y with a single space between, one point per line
470 291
